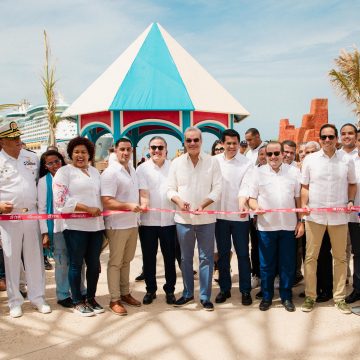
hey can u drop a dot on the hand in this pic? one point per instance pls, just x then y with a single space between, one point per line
259 211
199 210
184 206
299 229
243 208
144 208
45 241
135 208
93 211
6 207
306 213
349 205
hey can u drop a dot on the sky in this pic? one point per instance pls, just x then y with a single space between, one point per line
272 56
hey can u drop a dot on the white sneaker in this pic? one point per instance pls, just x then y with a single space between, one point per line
255 281
43 308
277 283
16 311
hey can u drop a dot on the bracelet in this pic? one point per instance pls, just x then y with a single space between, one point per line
301 221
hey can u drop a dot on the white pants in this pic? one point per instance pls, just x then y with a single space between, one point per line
23 236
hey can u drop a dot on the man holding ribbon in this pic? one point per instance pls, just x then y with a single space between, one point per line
277 186
194 185
328 180
18 195
157 226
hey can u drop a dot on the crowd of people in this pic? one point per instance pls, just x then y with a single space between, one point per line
225 202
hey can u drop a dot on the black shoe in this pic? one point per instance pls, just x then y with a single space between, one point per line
141 277
96 308
170 299
23 294
207 305
302 294
259 295
298 278
354 296
183 301
222 296
47 263
83 309
246 299
265 305
148 298
323 297
66 303
288 305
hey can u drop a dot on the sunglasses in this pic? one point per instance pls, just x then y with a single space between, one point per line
219 149
154 147
330 137
189 141
52 163
275 153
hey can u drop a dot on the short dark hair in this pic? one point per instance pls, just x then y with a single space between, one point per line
231 133
289 143
349 124
80 140
276 143
123 139
331 126
252 131
43 169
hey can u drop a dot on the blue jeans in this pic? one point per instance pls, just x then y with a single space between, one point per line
239 230
83 245
150 236
354 230
62 269
187 235
277 250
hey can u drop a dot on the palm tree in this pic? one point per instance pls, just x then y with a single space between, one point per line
346 79
48 82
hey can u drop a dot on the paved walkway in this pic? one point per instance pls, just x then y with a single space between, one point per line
159 331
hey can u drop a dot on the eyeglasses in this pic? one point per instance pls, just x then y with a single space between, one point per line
219 149
52 163
275 153
189 141
154 147
330 137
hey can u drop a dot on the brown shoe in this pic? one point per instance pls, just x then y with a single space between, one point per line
117 308
2 285
128 299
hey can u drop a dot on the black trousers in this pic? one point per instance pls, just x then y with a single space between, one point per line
150 236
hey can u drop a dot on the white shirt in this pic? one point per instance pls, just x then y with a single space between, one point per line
71 186
276 190
194 185
353 154
233 172
154 179
328 180
252 154
42 192
122 186
354 217
18 180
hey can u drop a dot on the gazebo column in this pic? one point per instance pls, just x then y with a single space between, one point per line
116 125
186 122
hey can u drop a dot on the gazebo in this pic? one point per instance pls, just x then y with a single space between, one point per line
154 87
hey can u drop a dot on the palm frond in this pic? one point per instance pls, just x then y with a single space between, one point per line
7 106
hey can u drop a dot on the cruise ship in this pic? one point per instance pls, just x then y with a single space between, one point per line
32 120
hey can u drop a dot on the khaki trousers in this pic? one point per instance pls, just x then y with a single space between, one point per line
122 245
338 240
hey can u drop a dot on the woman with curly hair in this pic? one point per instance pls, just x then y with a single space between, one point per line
77 189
